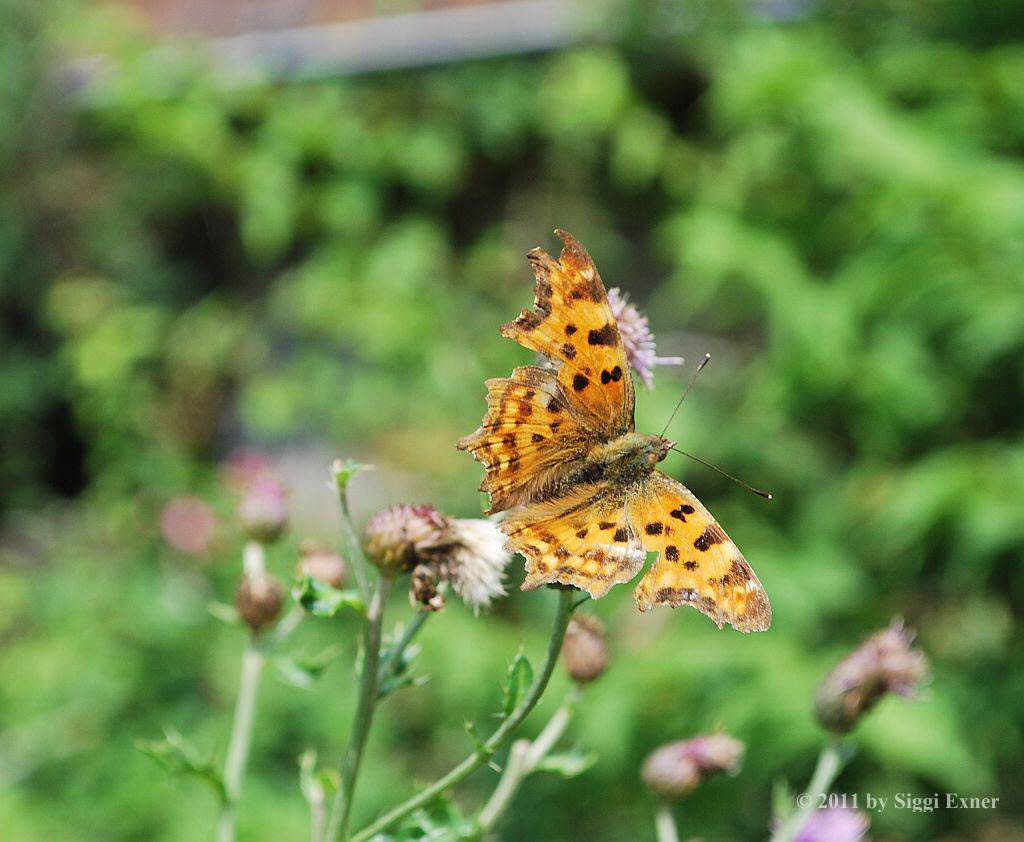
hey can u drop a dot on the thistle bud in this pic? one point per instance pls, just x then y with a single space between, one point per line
676 769
259 599
397 538
263 510
884 663
585 650
320 563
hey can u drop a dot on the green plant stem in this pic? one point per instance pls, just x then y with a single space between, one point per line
496 740
523 758
392 660
253 564
665 824
352 547
241 736
830 763
369 679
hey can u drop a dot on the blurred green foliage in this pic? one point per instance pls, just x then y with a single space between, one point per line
829 199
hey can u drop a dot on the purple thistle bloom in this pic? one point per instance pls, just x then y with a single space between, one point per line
884 663
637 337
834 824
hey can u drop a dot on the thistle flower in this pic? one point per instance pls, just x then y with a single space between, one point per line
834 824
637 337
470 554
585 650
397 538
676 769
884 663
477 562
263 510
320 563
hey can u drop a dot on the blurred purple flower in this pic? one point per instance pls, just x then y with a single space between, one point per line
637 337
263 510
884 663
676 769
243 468
834 824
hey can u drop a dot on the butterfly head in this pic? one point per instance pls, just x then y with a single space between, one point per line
656 448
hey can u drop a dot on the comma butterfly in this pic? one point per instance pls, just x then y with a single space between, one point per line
561 452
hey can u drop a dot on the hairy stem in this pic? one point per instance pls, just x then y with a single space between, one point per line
496 740
245 710
368 685
830 763
523 759
352 548
665 824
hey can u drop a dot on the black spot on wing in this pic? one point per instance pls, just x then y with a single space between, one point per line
607 335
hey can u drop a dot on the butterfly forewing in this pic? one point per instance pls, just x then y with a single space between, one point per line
573 325
528 438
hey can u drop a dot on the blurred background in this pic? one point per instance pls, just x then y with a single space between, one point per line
289 231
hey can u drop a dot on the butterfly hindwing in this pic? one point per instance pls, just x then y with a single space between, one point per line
573 325
583 539
698 564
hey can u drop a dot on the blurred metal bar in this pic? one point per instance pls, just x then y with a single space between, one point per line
402 40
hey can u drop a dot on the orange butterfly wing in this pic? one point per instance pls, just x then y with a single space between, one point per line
528 439
698 564
583 539
573 325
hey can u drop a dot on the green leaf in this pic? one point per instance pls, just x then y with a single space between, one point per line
519 677
398 674
321 600
179 758
440 819
568 764
225 613
303 671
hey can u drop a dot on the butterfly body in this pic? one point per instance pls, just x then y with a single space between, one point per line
584 499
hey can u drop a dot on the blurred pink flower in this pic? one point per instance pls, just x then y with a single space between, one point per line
243 468
834 824
188 524
676 769
263 510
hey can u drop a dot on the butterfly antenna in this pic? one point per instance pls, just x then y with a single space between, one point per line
686 391
766 494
